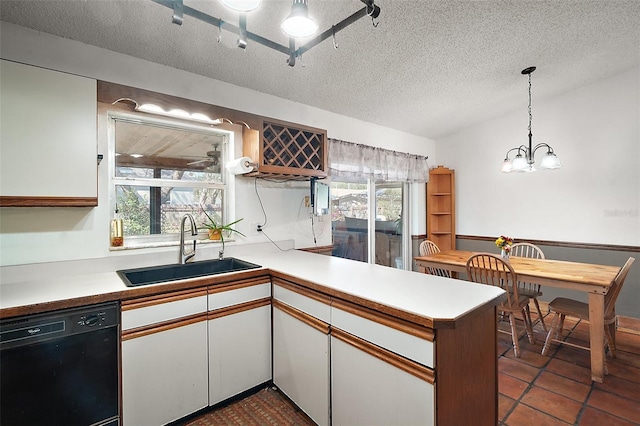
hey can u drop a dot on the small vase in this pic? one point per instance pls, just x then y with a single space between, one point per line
505 255
214 234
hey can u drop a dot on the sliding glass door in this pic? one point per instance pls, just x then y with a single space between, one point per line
388 224
350 220
368 220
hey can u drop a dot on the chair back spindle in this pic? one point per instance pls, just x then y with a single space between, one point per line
429 247
527 250
485 268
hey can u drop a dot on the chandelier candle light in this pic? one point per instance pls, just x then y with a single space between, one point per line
524 159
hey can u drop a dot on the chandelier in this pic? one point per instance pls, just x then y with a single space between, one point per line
297 24
525 157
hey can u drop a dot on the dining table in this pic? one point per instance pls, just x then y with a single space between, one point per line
593 279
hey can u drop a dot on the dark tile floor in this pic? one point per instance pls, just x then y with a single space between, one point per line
557 389
539 390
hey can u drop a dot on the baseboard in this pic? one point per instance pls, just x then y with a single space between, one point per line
629 325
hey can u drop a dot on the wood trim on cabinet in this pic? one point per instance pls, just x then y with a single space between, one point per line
317 249
35 201
411 367
470 350
240 307
314 322
296 288
131 294
110 92
162 298
384 319
249 282
163 326
277 277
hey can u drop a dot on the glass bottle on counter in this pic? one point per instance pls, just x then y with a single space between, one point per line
117 232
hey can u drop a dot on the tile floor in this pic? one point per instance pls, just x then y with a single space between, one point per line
557 389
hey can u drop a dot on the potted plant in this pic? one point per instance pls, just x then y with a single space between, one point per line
217 230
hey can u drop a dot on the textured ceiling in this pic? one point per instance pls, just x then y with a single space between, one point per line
429 68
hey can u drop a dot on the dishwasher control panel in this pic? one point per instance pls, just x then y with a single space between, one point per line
50 325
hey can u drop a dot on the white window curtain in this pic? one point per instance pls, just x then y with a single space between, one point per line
355 162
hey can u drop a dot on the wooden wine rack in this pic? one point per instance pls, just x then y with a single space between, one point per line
287 150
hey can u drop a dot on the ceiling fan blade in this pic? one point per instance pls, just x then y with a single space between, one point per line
199 161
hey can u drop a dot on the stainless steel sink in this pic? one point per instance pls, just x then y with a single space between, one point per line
165 273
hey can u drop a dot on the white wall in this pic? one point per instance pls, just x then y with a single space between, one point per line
33 235
594 198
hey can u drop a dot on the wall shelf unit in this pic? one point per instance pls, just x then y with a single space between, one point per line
441 208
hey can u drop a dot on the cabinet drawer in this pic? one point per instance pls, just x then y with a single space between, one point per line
253 291
404 339
304 300
373 386
157 309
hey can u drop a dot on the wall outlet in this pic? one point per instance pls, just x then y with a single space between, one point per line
254 228
307 201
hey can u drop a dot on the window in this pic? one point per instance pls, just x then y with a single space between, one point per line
161 172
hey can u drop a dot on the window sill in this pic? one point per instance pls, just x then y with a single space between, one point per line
144 243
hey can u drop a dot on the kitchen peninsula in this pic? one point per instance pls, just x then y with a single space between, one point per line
351 342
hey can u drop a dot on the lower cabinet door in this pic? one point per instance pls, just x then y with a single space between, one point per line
163 375
367 390
301 364
239 352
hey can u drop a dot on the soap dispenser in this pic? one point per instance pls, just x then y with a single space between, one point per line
117 235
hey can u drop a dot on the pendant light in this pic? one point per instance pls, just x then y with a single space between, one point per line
298 23
525 156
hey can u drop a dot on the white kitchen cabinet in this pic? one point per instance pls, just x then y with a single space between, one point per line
381 369
369 388
301 349
164 357
48 138
239 337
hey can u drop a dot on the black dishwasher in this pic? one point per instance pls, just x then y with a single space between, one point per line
60 368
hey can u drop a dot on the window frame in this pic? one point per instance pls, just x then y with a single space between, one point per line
225 186
371 216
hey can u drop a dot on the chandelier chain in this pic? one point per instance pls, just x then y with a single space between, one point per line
530 115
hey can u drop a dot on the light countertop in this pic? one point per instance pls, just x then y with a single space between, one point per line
417 294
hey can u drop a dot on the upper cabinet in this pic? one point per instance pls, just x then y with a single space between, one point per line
441 208
288 150
48 137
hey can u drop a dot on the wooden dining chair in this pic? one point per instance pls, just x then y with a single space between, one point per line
532 291
490 269
429 247
568 307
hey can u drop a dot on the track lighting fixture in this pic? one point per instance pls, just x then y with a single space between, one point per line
297 25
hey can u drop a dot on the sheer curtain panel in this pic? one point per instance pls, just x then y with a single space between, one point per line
355 162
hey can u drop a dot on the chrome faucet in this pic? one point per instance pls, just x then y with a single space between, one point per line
184 256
